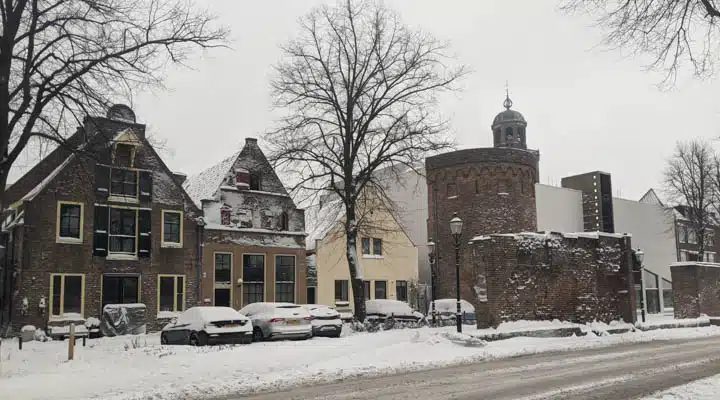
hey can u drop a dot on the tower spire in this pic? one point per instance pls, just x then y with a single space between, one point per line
507 103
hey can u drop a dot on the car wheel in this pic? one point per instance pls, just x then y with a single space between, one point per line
337 335
257 335
163 338
197 339
246 340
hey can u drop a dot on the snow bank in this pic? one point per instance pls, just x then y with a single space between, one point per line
110 368
703 389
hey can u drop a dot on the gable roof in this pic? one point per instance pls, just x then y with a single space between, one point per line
650 197
205 184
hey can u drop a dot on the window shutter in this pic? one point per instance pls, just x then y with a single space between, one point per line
102 180
144 227
145 186
100 231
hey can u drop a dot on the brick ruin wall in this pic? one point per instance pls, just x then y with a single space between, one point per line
696 289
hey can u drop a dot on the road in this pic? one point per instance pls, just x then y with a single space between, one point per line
627 371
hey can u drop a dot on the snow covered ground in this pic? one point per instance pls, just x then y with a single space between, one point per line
138 367
703 389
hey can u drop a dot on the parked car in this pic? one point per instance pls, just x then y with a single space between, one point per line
381 310
346 312
325 320
278 321
447 308
199 326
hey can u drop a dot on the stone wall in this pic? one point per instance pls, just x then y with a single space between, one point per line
696 289
573 277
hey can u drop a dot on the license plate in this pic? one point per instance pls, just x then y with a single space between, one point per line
293 322
327 328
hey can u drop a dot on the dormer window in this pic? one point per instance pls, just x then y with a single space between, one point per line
254 181
124 155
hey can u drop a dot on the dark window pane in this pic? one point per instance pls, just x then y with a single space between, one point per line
167 293
253 268
285 269
341 290
365 245
171 227
223 268
401 290
222 297
253 293
123 154
285 292
366 289
56 292
380 290
254 181
120 244
120 289
72 298
377 247
70 221
123 182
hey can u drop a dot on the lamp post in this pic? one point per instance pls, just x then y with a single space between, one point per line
638 256
456 230
431 253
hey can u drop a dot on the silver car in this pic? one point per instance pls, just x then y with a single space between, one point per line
278 321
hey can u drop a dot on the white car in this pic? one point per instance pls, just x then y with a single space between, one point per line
199 326
325 320
278 321
447 308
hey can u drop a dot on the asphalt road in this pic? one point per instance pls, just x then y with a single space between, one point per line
627 371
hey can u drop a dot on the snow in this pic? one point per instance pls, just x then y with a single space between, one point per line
450 305
388 307
138 367
703 389
67 317
167 314
692 263
39 188
28 328
654 320
205 184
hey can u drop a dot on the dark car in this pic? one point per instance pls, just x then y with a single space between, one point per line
200 326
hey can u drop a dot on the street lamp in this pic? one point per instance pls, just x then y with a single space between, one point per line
431 253
638 256
456 230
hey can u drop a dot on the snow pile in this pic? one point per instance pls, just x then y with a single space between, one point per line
133 368
703 389
669 321
28 328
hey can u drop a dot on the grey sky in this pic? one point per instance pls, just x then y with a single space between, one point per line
587 109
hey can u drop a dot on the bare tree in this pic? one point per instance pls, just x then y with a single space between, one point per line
689 180
674 33
359 89
61 60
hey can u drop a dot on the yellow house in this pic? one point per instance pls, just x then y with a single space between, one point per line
387 258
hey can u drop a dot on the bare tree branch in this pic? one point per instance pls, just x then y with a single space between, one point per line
360 90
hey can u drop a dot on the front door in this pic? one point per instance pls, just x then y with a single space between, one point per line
120 289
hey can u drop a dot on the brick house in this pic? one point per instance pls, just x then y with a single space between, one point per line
687 245
109 224
254 237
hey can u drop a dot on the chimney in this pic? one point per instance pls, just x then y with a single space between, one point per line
251 141
179 177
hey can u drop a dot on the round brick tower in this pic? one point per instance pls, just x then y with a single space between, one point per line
491 189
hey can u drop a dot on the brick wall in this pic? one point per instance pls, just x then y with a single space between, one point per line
549 276
696 289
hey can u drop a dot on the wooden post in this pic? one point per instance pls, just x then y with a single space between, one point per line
71 343
19 342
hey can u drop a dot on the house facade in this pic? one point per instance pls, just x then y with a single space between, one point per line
387 257
254 236
109 224
687 240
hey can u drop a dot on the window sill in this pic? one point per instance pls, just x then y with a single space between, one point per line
125 257
123 199
373 256
63 240
167 314
168 245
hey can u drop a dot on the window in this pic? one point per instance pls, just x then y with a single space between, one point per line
70 222
253 278
67 294
366 290
285 279
667 294
222 278
171 293
123 182
122 230
401 290
225 216
709 239
377 247
124 155
452 190
652 294
365 245
254 181
120 289
683 233
341 290
172 228
509 134
683 255
692 239
284 222
380 290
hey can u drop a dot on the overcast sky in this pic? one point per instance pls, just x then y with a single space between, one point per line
587 108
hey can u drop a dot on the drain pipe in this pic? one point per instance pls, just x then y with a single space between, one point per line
200 237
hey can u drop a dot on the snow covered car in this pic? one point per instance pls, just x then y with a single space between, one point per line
325 320
447 308
381 310
278 320
199 326
346 312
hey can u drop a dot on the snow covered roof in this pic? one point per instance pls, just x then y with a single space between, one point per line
320 219
205 184
542 235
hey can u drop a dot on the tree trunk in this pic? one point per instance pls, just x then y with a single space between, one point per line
352 259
